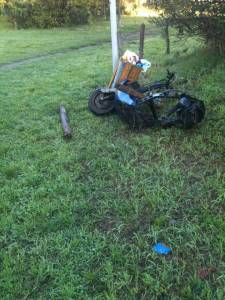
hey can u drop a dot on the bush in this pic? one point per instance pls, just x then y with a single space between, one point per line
19 13
46 13
77 12
1 6
205 18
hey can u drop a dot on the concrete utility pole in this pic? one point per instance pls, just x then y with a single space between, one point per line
114 33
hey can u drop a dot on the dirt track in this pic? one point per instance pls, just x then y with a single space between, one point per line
132 36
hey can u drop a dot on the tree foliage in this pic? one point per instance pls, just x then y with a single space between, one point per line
205 18
2 2
53 13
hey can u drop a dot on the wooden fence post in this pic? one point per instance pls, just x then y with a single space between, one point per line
142 41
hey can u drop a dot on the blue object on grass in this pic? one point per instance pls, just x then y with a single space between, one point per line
162 249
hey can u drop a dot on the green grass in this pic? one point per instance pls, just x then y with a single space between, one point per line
79 219
16 45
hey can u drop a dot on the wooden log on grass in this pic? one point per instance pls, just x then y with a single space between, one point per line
65 122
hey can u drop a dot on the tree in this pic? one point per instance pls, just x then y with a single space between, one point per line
205 18
2 2
47 13
98 8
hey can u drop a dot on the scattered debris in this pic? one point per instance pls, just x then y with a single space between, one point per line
204 273
162 249
65 122
130 57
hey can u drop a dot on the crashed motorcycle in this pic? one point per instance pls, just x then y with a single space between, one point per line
156 104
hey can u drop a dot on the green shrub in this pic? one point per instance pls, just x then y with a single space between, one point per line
19 13
46 13
77 12
1 6
205 18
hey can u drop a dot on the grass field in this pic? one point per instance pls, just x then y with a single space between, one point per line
21 44
79 219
